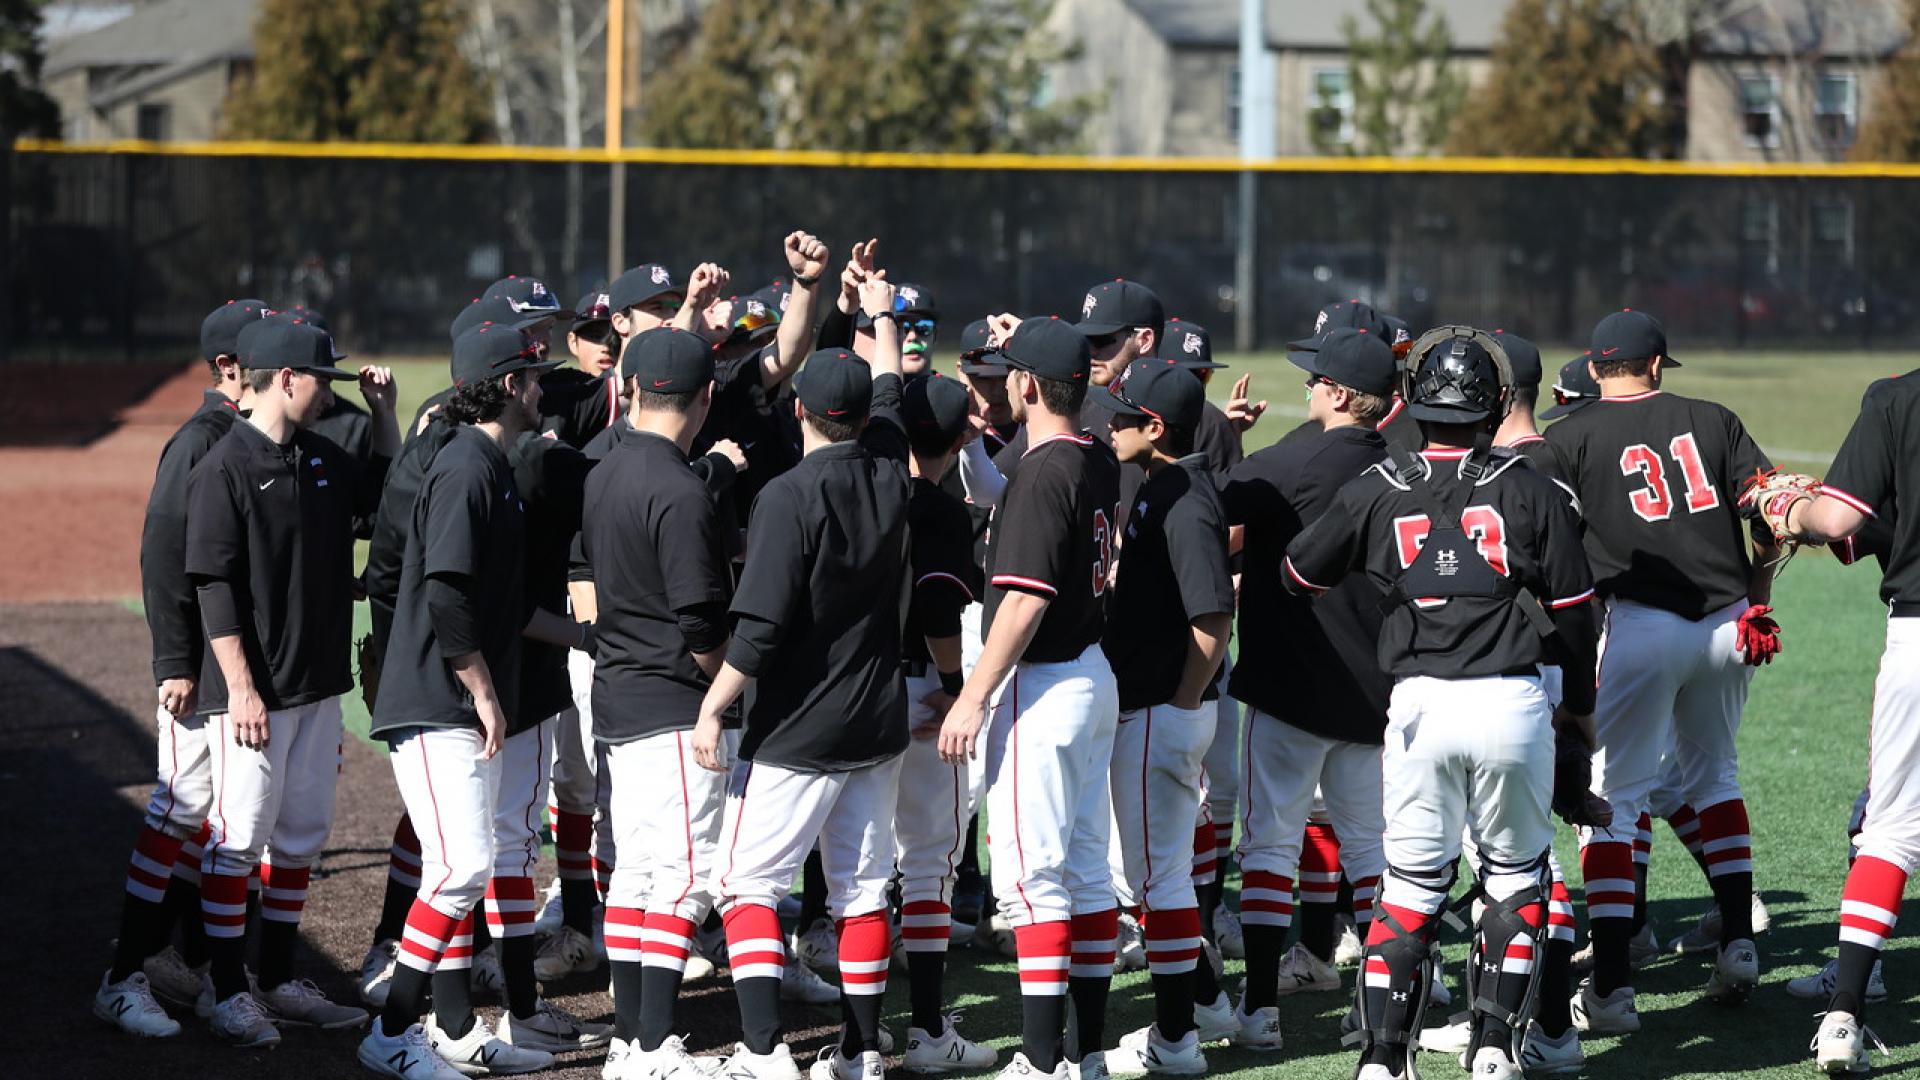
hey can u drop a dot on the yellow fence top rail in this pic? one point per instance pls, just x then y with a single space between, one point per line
1032 162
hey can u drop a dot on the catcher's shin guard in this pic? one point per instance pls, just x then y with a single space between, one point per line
1397 972
1509 952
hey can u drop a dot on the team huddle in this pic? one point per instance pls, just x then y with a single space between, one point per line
754 595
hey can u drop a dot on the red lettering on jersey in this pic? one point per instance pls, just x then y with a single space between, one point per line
1482 524
1701 494
1655 502
1103 549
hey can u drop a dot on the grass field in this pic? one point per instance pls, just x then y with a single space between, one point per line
1803 750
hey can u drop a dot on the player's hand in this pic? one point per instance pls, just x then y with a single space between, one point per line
493 729
177 696
876 294
960 732
1243 413
939 701
706 744
730 450
1578 724
1758 635
377 387
249 715
1001 327
806 255
705 285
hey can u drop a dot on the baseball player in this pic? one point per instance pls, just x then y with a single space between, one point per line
1171 614
1472 549
448 692
1317 697
1048 566
1878 465
1657 476
269 546
1396 426
820 758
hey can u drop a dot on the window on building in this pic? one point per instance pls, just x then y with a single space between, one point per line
154 123
1332 105
1760 109
1836 107
1833 228
1233 100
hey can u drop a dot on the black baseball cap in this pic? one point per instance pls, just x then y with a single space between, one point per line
1523 357
1358 359
835 385
497 310
220 330
755 316
272 344
1344 315
595 307
493 350
1629 335
1158 388
1574 389
529 296
641 284
936 405
909 300
312 318
1402 332
1113 306
1049 348
668 360
977 357
1190 345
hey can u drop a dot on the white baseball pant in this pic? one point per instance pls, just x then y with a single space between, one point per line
666 814
1891 831
930 823
1155 777
278 797
1288 772
774 816
183 790
1049 747
1223 769
450 792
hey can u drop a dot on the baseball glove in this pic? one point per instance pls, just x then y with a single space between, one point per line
1771 494
1573 797
369 658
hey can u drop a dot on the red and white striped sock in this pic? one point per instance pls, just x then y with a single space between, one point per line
1319 865
754 945
926 925
223 904
186 865
1686 828
1560 921
1870 903
1364 892
602 877
510 907
283 892
1094 935
427 935
151 864
573 845
1725 838
1607 866
1643 840
459 953
1206 856
403 857
1045 951
666 941
865 954
1223 841
1266 899
625 935
1173 940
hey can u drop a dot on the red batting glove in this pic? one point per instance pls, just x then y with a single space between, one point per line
1759 636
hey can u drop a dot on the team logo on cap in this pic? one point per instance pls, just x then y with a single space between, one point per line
1319 322
539 291
910 295
755 307
1086 306
783 301
1192 344
659 275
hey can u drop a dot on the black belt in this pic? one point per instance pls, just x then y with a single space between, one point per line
1905 609
916 669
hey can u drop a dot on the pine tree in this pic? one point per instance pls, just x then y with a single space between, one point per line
1890 130
24 109
360 70
1405 88
1569 79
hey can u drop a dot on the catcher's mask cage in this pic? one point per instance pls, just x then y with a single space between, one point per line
1450 382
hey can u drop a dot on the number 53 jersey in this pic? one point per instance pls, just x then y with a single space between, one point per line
1658 477
1053 536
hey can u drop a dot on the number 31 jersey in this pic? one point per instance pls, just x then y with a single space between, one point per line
1658 477
1053 536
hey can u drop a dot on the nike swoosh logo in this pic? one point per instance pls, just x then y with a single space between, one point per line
268 484
1608 352
661 382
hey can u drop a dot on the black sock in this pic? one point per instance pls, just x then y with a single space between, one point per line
1042 1018
1344 901
1206 986
183 899
859 1023
516 963
143 932
229 968
629 997
482 933
1553 1003
406 999
1639 897
1086 1015
1173 997
277 941
759 1013
395 902
453 1001
578 896
970 853
1207 899
813 892
926 975
1850 988
1610 968
1734 894
1316 929
659 994
1265 944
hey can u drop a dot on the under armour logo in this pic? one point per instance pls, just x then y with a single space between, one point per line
1192 344
660 275
1446 563
1086 307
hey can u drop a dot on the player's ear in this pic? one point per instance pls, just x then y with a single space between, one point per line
1148 340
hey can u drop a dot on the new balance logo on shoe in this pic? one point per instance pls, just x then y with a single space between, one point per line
401 1062
1151 1057
956 1051
122 1005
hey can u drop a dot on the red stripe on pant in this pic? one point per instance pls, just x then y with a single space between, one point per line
283 892
1726 842
1643 839
426 936
1266 899
151 866
223 904
1045 950
1173 940
1870 903
755 948
573 844
865 954
1093 950
667 942
926 925
510 906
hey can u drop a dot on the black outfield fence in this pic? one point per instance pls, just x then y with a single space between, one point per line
118 252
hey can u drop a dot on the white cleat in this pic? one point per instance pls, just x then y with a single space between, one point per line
376 972
299 1003
746 1065
1022 1069
241 1021
566 952
698 969
1215 1020
1736 971
1129 946
1091 1066
553 1029
1552 1057
1612 1015
1492 1063
552 911
1259 1030
129 1006
1451 1038
1705 934
1643 948
1229 934
406 1056
620 1062
486 976
480 1053
996 933
831 1066
1437 992
1144 1051
172 980
1377 1072
1840 1046
670 1061
950 1052
818 947
801 983
1823 983
1348 949
1301 972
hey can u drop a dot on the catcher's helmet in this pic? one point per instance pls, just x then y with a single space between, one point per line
1457 375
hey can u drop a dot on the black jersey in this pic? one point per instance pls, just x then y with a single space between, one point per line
1053 535
274 524
1399 427
653 536
1540 454
551 478
1879 463
1658 477
468 528
821 602
1097 420
574 405
945 577
348 426
1175 572
1217 440
1520 525
387 549
173 609
1312 663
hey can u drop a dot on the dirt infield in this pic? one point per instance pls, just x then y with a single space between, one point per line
76 760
